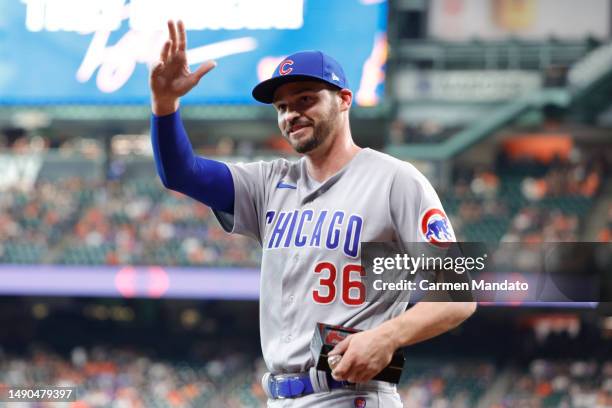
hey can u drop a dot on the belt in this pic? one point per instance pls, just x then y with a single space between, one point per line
283 386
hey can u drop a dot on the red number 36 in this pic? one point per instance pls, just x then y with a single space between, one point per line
354 297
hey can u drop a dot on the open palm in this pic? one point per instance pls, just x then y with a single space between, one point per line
171 77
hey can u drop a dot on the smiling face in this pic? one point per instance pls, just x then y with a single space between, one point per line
308 113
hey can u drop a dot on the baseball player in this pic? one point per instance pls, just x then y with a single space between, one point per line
309 217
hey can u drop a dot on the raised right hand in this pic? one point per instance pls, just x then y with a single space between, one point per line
171 77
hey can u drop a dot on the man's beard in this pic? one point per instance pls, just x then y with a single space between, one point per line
320 132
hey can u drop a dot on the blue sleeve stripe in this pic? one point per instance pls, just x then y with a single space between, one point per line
208 181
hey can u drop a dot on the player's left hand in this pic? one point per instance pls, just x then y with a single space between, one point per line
364 355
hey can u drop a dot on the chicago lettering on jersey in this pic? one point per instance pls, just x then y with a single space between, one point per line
314 229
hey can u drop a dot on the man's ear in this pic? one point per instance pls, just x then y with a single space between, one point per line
346 99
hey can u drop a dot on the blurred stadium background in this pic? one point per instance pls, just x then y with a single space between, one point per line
135 295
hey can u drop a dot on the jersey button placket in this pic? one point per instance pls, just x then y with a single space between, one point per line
288 299
296 259
292 306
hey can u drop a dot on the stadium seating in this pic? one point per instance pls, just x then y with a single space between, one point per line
136 221
570 383
102 375
489 210
138 379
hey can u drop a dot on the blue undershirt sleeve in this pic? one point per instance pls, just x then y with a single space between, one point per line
208 181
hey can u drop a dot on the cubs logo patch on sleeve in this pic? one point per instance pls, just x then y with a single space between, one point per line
436 228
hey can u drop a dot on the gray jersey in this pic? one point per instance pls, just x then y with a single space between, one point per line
310 234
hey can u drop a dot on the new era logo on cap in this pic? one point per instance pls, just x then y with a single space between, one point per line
302 66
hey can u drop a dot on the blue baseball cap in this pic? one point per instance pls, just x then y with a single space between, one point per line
302 66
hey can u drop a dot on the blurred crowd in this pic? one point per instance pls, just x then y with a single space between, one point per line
18 141
76 221
578 177
426 131
124 377
526 201
535 225
561 384
132 219
457 384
